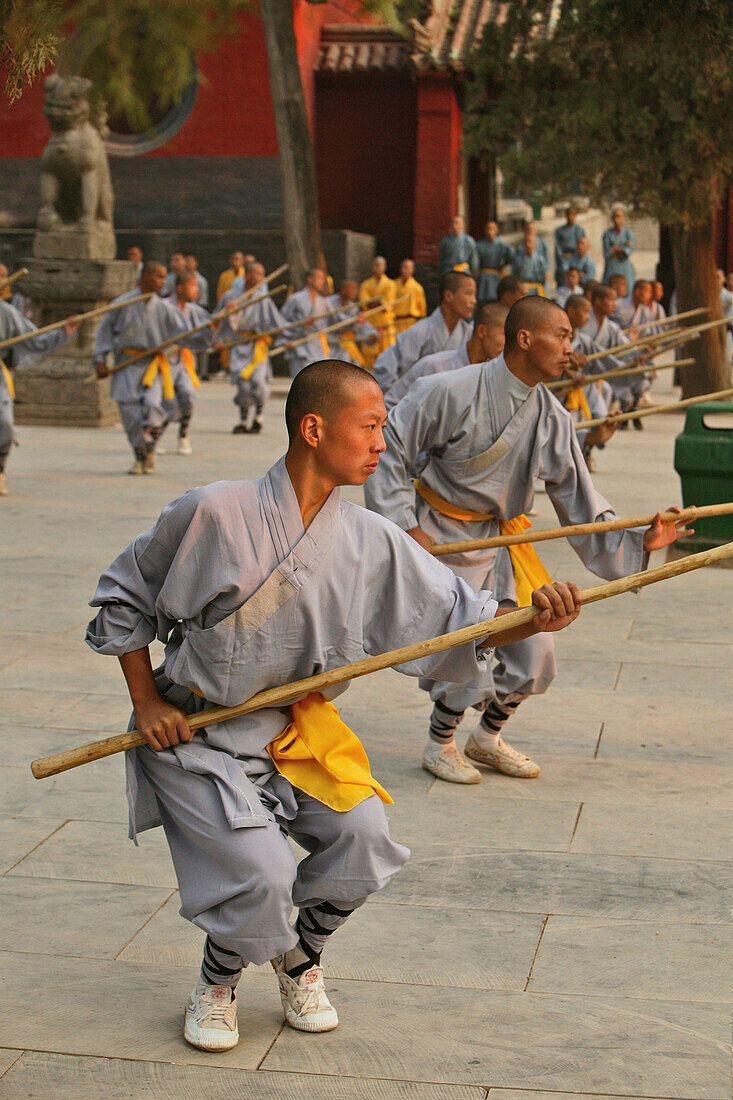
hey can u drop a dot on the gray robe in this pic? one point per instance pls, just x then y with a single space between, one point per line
258 316
457 432
139 326
245 599
299 307
436 363
14 323
421 339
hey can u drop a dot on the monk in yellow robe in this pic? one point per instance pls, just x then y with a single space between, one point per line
412 307
234 271
372 290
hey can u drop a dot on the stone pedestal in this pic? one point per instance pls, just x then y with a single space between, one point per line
69 242
61 388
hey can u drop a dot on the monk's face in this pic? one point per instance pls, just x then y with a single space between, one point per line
152 281
352 441
548 346
188 291
579 315
582 246
606 304
463 300
572 278
491 339
492 231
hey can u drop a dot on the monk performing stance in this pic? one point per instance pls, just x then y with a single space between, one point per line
477 439
253 584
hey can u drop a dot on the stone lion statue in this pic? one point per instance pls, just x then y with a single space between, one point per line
76 190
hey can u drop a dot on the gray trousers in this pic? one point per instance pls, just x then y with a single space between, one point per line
516 671
7 428
240 885
143 419
251 391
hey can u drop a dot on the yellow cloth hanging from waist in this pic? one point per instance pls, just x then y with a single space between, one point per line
262 346
491 270
539 287
465 266
576 399
159 364
320 755
187 361
8 379
348 343
529 572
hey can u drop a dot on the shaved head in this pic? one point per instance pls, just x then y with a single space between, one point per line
531 313
324 388
491 314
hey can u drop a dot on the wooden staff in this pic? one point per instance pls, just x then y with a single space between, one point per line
333 328
624 349
146 353
10 279
669 345
619 418
672 319
77 317
688 515
275 697
296 324
620 372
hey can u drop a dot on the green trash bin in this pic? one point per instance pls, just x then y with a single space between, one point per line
703 457
537 201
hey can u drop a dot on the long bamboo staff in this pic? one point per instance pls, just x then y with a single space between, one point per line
624 349
671 320
10 279
272 697
146 353
619 418
77 317
620 372
688 515
294 324
641 363
332 328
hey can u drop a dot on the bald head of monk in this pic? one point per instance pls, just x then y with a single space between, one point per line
153 276
334 414
537 340
487 340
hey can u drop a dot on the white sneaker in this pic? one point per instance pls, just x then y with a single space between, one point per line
3 485
184 446
137 468
305 1004
503 758
448 763
211 1018
149 463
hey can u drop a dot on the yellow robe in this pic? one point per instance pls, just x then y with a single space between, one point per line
383 321
226 279
413 308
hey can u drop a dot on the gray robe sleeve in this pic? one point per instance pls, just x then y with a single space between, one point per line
394 360
15 324
423 421
609 554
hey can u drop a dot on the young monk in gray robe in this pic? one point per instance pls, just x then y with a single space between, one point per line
138 389
477 439
249 361
13 323
486 342
447 327
180 389
252 584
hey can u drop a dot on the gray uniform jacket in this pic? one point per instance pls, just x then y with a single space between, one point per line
139 326
421 339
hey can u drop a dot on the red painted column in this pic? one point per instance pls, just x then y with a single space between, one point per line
437 174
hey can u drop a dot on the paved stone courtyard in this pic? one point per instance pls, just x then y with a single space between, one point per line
564 937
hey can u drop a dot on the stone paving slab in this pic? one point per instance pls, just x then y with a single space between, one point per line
72 917
19 836
524 1094
685 962
519 1040
99 851
656 738
676 829
7 1058
574 885
96 790
98 1007
35 1073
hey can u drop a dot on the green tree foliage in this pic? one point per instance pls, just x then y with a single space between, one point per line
138 53
618 98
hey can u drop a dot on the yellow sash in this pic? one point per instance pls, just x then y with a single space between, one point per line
9 379
159 363
348 343
321 756
465 266
539 288
188 362
529 572
576 400
324 344
262 346
491 270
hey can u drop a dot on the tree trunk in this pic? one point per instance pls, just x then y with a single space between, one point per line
697 285
297 167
